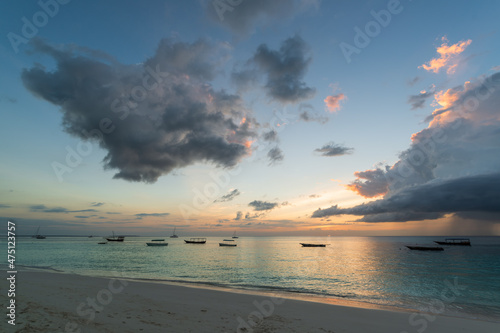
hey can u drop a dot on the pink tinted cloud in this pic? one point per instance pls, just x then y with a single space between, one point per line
448 57
333 102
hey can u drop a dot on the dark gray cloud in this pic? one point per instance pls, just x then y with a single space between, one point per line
413 81
275 155
163 114
97 204
45 209
333 149
418 101
141 215
262 205
479 193
283 69
4 206
239 215
228 197
242 16
451 167
271 135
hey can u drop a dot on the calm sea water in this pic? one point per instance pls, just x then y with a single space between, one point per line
460 281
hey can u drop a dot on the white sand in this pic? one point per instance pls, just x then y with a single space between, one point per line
55 302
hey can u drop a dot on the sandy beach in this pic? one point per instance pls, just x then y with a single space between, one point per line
57 302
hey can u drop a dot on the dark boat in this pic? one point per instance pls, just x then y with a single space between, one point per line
174 235
454 241
37 235
196 241
115 238
157 242
312 245
425 248
227 244
234 235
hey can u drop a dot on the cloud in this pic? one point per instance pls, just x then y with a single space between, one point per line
275 155
4 206
448 57
283 69
417 101
239 215
141 215
479 193
159 116
45 209
496 68
413 81
97 204
333 102
271 135
451 167
262 205
241 17
228 197
333 149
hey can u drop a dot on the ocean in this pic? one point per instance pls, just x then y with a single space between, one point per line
461 281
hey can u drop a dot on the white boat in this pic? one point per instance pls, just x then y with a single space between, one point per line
228 244
157 242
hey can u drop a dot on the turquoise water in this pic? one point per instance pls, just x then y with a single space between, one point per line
460 281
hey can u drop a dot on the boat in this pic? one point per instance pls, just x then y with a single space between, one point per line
227 244
425 248
102 243
174 235
198 240
234 235
228 240
454 241
37 234
157 242
115 238
312 245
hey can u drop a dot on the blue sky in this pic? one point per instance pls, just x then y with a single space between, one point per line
260 122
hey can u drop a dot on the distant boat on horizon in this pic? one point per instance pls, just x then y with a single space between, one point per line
174 235
312 245
455 241
37 234
115 238
234 235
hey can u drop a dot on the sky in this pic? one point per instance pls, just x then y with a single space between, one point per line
268 118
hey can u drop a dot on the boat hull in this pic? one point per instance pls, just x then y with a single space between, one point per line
195 242
425 248
312 245
230 245
156 244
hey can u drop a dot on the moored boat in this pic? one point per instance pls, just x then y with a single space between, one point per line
157 242
174 235
425 248
196 240
228 244
115 238
454 241
312 245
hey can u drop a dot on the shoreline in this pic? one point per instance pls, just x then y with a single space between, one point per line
186 306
